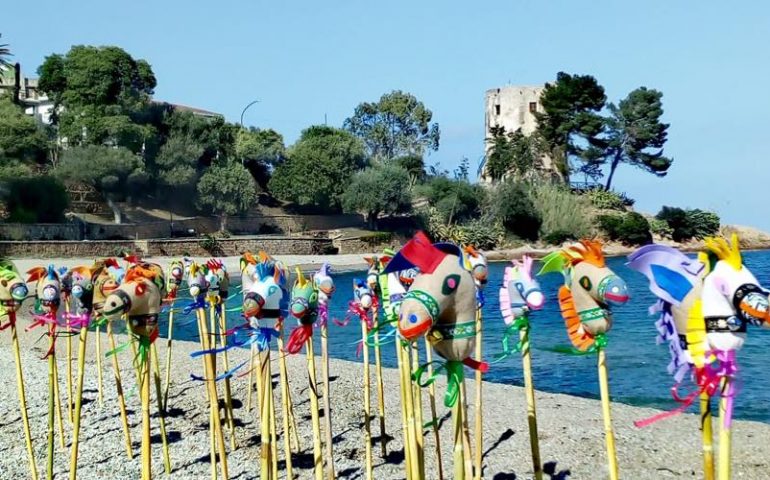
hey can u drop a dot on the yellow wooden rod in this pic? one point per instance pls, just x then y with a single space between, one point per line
725 436
367 406
169 343
146 438
407 438
330 470
266 449
417 396
458 452
228 391
161 409
529 391
271 403
99 382
609 436
478 424
410 416
252 366
78 403
380 390
23 397
51 406
434 417
121 398
313 392
216 427
282 371
466 432
57 397
707 435
70 394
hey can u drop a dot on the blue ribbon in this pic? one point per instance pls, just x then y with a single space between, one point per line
199 302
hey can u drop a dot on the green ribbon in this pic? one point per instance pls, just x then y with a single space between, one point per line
370 341
456 331
455 376
427 301
510 335
600 343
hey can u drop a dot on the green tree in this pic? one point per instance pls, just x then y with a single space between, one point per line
570 122
260 151
397 125
35 199
414 166
20 137
513 153
635 135
5 53
178 162
515 208
318 167
455 201
227 189
380 189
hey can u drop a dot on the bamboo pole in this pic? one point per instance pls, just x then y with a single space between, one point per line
99 382
252 364
529 392
604 390
466 432
161 409
266 448
282 371
725 436
228 390
313 391
458 452
708 436
380 389
23 398
367 406
146 438
434 417
417 400
215 426
331 473
57 398
273 434
51 405
201 317
169 344
407 438
70 394
78 403
478 436
410 418
121 398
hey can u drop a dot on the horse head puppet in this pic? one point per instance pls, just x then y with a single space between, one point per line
47 288
197 281
248 265
303 307
520 292
139 297
267 297
176 271
80 289
441 302
476 263
218 278
376 266
13 290
589 289
732 297
106 276
324 283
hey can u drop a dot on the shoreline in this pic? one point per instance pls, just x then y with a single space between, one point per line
570 428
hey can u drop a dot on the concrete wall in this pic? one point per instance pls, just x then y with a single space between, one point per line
275 244
39 231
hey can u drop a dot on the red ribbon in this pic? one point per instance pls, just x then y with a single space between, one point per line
297 339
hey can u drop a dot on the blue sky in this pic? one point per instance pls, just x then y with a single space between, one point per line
308 59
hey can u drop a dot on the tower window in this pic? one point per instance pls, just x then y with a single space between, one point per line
497 109
532 107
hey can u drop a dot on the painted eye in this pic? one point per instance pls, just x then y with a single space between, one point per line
615 289
585 282
519 287
413 318
451 282
272 290
4 282
480 272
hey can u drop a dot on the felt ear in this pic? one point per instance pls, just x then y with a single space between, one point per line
370 261
111 262
35 274
673 283
132 259
418 252
553 262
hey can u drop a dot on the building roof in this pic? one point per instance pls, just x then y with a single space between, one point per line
193 110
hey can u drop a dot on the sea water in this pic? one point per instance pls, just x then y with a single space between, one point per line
637 365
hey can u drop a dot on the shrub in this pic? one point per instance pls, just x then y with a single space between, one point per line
485 233
516 210
561 210
558 237
40 199
687 224
630 228
605 200
456 201
661 228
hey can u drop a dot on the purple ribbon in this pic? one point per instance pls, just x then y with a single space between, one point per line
724 367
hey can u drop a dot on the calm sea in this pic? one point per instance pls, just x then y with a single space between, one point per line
637 366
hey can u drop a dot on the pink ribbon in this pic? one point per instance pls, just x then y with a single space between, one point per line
48 318
78 320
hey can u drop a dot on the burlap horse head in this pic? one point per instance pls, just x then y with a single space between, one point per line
442 299
732 297
589 287
47 288
106 276
138 297
13 290
175 277
80 289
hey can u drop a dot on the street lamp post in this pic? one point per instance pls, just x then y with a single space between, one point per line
246 108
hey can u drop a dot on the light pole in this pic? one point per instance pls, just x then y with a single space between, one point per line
246 108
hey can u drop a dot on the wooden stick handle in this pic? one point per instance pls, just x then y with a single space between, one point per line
318 464
78 403
380 393
169 344
434 417
23 397
707 434
478 424
367 407
725 436
609 436
146 438
331 472
282 371
70 393
457 428
121 397
161 410
99 381
529 391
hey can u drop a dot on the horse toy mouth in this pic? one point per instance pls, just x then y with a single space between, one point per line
617 299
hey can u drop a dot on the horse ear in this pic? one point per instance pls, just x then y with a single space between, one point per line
553 262
370 261
35 274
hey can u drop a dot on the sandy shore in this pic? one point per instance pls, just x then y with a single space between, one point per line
571 432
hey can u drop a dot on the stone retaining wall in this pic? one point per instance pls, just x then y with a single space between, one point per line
276 245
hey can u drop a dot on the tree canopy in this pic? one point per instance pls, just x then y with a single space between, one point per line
106 169
397 125
381 188
319 166
20 137
227 189
5 52
178 162
513 153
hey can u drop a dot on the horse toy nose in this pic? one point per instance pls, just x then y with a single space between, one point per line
366 301
252 304
614 290
535 300
413 322
195 290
